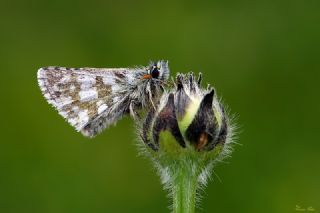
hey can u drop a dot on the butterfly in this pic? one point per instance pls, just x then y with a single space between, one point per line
91 99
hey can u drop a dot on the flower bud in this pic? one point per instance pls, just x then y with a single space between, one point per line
185 135
188 116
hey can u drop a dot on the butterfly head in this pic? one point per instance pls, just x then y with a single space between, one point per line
158 70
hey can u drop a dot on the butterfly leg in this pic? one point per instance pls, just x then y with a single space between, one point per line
200 79
133 111
150 95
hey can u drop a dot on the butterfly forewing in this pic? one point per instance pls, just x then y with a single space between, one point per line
88 98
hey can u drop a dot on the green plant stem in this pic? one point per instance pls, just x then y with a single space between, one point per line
184 190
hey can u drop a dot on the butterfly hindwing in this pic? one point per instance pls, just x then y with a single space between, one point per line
88 98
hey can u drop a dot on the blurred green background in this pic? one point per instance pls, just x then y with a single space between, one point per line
262 56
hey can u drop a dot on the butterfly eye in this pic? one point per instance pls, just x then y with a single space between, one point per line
155 72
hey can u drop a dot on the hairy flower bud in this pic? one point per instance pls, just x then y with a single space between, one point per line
185 135
192 116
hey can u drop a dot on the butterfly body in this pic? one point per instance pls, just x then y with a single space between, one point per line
91 99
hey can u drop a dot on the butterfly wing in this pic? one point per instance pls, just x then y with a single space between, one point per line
90 99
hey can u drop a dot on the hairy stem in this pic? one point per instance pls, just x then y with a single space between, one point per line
184 188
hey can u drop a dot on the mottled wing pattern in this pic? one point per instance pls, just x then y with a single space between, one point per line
88 98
